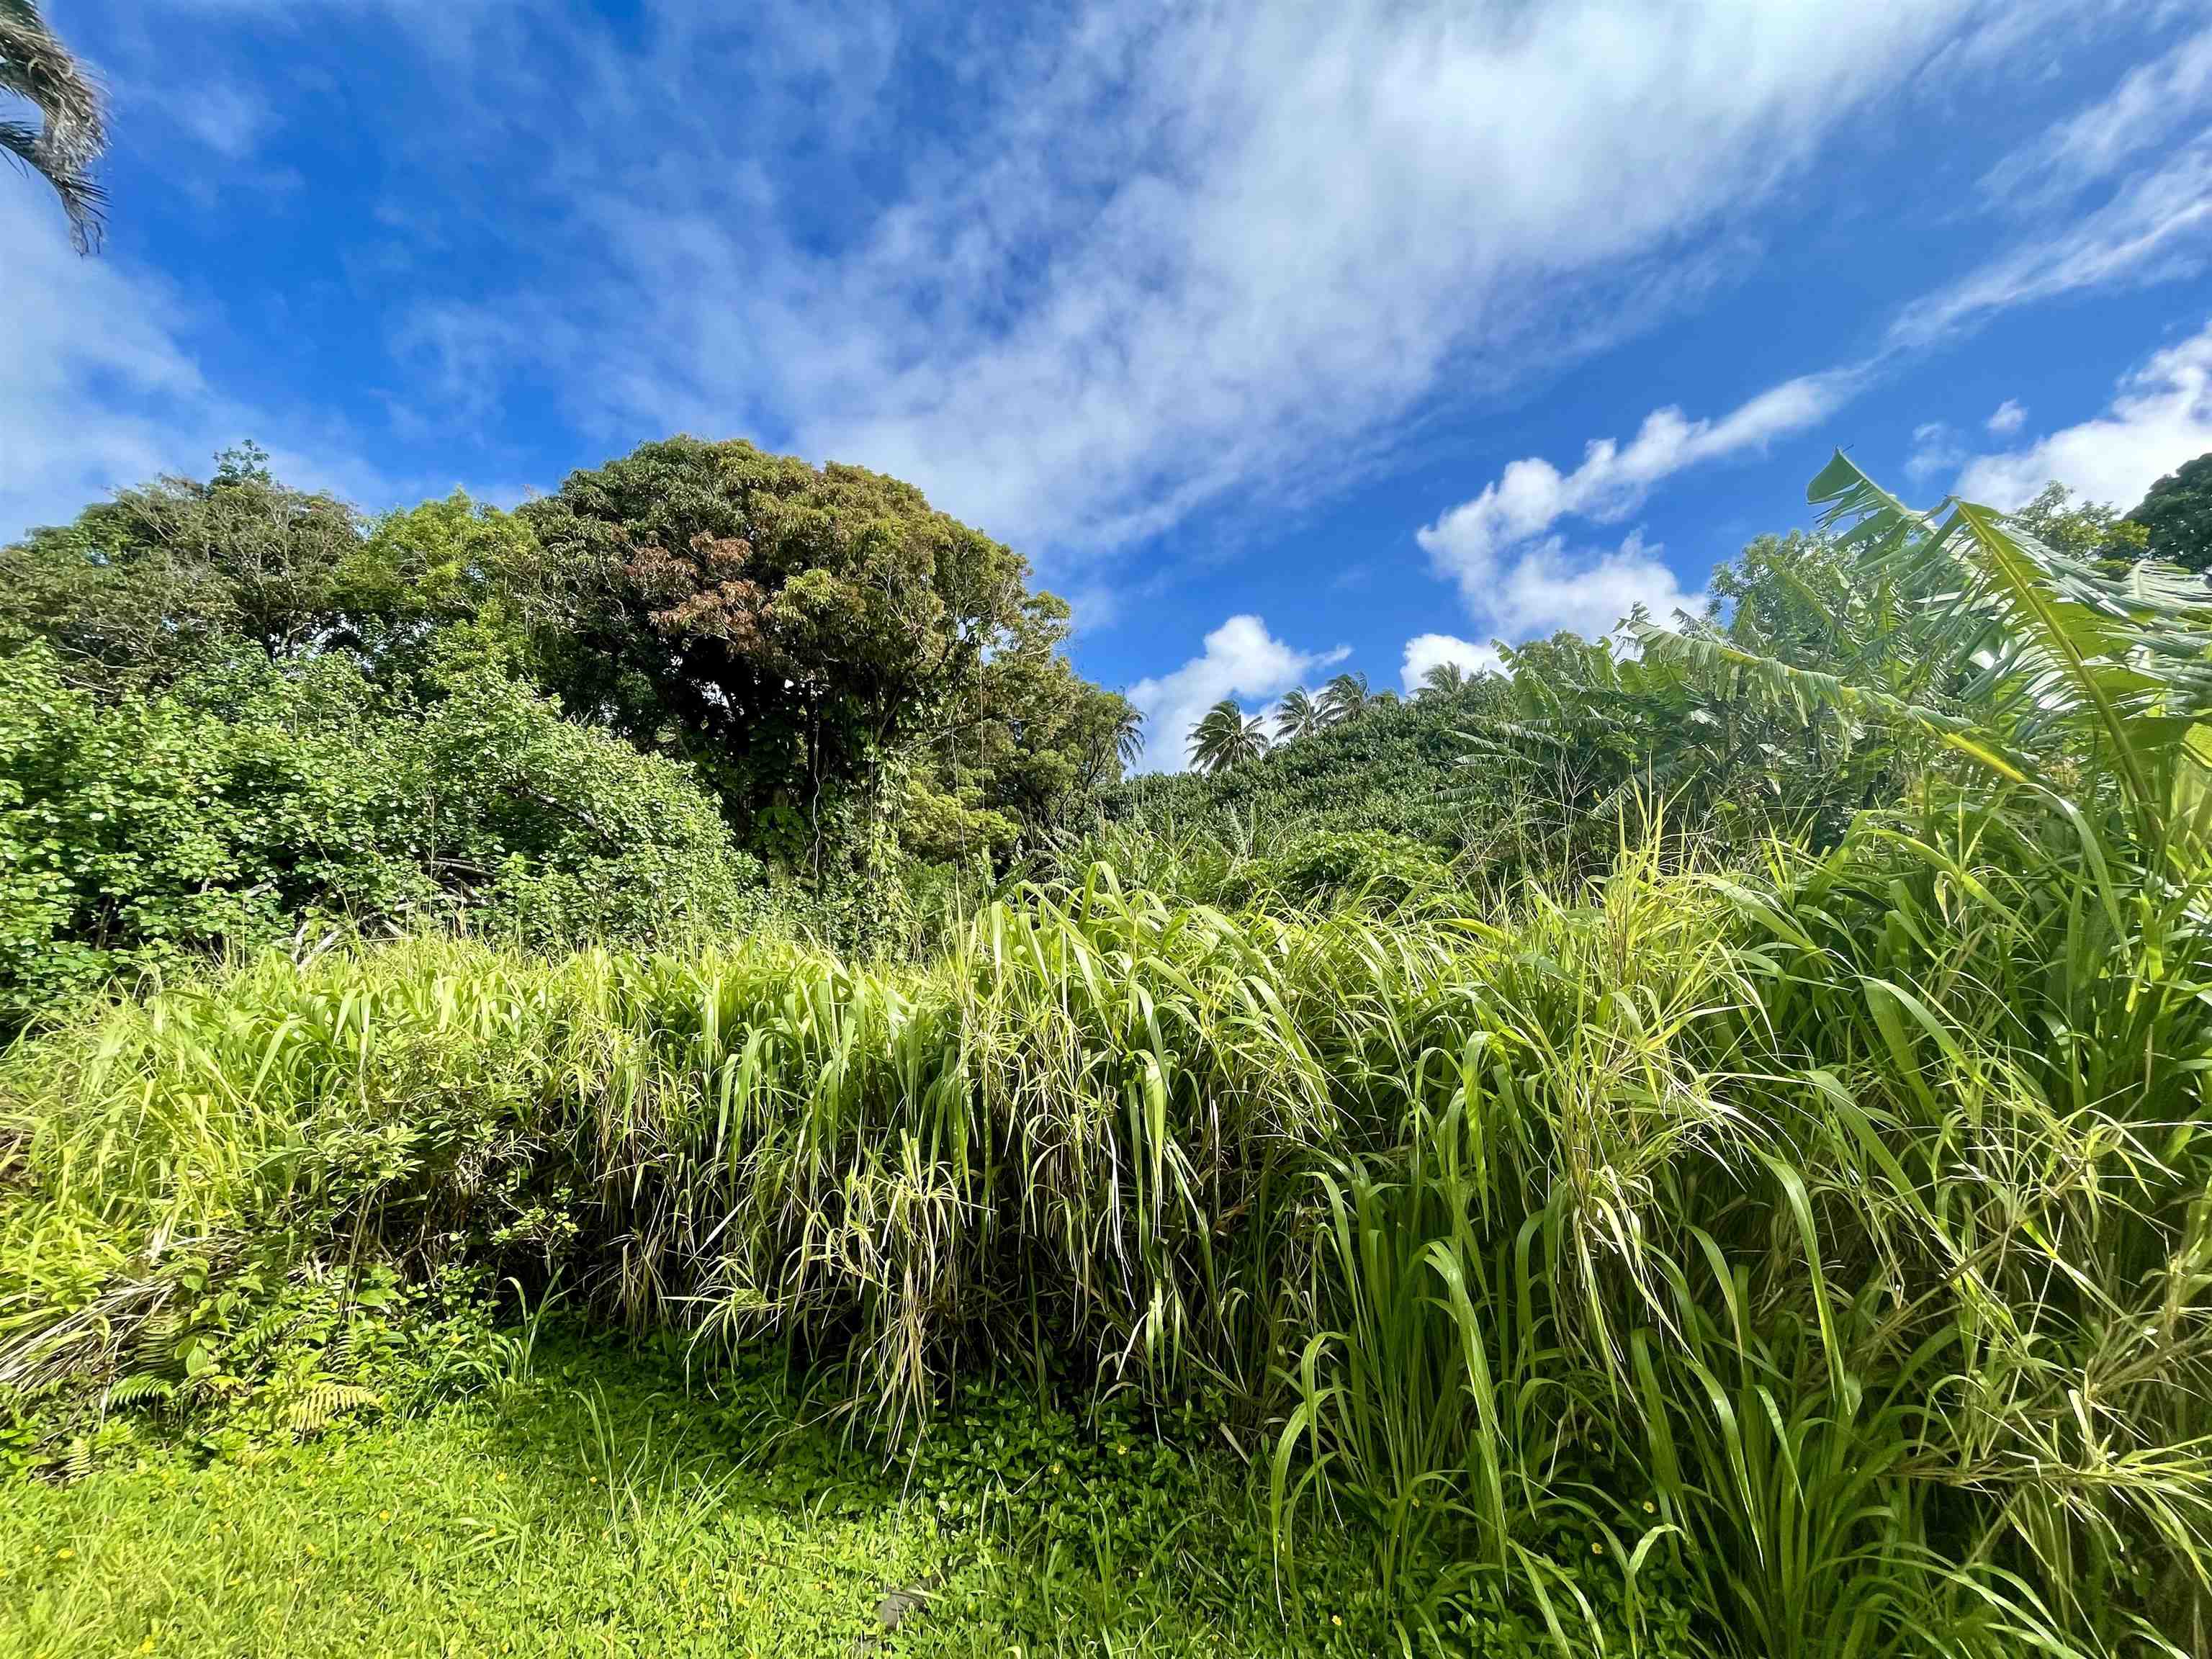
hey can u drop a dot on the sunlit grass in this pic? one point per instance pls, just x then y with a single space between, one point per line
606 1508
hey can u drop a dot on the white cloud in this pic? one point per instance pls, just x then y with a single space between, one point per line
105 390
2010 415
2160 416
2139 158
1532 495
1513 573
2151 104
229 119
1153 256
2156 227
1550 586
1935 449
1241 660
96 379
1427 651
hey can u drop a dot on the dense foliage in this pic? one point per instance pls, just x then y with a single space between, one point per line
2176 516
1400 768
1685 1147
799 633
241 805
240 711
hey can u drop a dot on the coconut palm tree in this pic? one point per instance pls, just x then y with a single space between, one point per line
1443 680
1344 698
1225 739
1128 733
37 68
1298 716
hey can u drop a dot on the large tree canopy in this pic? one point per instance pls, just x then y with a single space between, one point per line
789 628
145 586
2177 515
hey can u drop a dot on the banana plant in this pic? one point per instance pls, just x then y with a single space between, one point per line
2087 683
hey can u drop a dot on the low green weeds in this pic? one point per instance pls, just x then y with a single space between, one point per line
610 1503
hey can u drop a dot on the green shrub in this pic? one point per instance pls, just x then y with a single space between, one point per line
1370 866
247 805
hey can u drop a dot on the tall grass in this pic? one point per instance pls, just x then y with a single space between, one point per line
1825 1246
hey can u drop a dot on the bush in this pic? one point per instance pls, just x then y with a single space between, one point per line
247 805
1368 866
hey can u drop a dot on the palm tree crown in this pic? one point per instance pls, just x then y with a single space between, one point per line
1225 739
1344 698
1298 716
37 68
1442 680
1128 733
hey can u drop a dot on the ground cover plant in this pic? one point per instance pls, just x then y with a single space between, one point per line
1771 1221
599 1500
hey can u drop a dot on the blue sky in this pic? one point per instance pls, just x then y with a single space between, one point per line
1281 336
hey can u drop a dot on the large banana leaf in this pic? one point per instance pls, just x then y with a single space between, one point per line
2076 675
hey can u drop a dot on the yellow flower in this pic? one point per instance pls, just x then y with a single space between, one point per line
1596 1548
1651 1508
1336 1618
64 1555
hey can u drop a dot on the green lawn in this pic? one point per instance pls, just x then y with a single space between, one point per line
603 1509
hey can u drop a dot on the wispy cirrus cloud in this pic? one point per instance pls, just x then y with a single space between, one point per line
2151 105
2155 226
1141 273
1080 272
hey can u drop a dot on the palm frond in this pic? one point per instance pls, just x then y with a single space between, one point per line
39 68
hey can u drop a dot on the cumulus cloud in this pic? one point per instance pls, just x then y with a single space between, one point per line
1550 586
1242 660
2160 416
1531 494
1515 574
1427 651
2009 416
